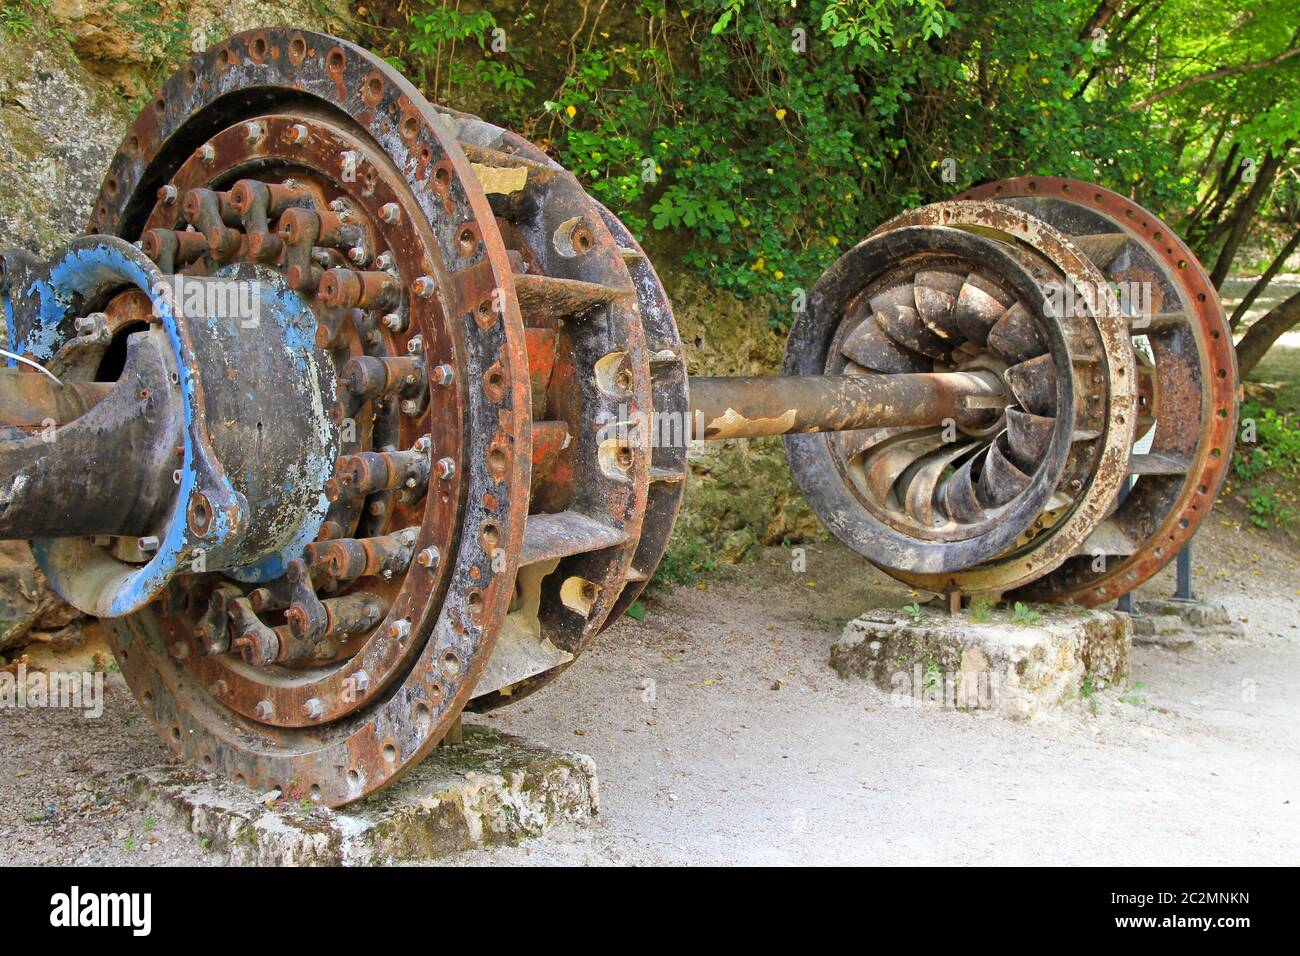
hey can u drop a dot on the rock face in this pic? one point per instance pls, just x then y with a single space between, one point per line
132 43
29 610
59 127
1014 669
489 790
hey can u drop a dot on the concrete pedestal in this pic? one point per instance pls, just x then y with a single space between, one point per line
1179 624
491 789
1013 667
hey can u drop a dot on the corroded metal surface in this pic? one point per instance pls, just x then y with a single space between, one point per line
966 286
751 407
1190 397
447 447
390 673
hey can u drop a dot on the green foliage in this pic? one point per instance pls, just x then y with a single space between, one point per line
1276 449
636 611
435 33
1023 614
914 612
15 18
980 610
765 136
686 562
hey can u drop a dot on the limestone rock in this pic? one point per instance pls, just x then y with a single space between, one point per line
491 789
1013 669
59 127
133 46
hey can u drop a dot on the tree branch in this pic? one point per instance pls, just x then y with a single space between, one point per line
1262 282
1260 337
1218 74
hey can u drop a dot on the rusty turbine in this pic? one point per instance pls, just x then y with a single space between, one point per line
351 412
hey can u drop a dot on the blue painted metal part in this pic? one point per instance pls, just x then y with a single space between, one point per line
88 576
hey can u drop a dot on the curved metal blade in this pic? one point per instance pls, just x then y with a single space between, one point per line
870 347
916 487
1028 437
1015 336
854 443
936 299
886 463
1033 383
896 313
957 496
979 306
1000 481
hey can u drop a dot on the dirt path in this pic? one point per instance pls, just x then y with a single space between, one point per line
747 748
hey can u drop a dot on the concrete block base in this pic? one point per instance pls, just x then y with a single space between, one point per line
1179 624
1014 668
491 789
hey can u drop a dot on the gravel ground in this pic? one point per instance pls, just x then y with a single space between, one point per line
721 736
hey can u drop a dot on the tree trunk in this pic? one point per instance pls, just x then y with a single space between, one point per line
1262 282
1244 214
1259 338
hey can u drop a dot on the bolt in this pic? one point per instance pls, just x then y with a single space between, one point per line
423 443
394 322
446 468
176 476
167 194
219 689
180 650
253 132
424 287
86 324
206 153
373 337
416 345
443 374
377 508
361 681
265 710
313 708
407 536
341 209
410 406
390 213
411 482
399 630
384 261
297 133
148 543
428 558
358 255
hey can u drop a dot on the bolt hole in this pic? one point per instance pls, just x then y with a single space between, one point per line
334 61
257 48
467 241
450 664
390 753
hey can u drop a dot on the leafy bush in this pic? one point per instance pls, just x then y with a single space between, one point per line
769 136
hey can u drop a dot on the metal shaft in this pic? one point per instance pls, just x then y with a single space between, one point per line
749 407
30 401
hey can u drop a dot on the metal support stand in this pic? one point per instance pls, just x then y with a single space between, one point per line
1183 587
